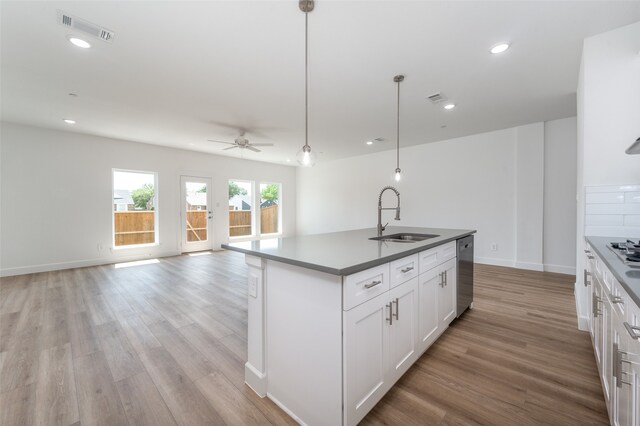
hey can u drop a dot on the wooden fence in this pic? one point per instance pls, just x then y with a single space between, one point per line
196 225
137 227
240 221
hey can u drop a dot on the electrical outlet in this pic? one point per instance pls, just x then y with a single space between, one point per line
494 247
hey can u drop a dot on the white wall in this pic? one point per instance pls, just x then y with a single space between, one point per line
56 199
559 194
470 182
529 196
608 122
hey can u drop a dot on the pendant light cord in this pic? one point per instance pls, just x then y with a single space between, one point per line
306 75
398 130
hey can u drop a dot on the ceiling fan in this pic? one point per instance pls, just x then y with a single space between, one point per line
242 143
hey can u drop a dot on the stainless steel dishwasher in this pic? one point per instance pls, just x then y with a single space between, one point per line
465 274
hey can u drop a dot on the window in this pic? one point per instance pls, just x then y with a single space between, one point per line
240 208
270 212
134 208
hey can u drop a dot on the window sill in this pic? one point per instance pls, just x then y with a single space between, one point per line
134 246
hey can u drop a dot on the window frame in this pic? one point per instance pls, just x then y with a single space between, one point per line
156 210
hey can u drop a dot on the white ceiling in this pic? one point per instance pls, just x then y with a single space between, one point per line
175 69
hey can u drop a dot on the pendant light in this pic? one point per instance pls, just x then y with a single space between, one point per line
305 156
398 79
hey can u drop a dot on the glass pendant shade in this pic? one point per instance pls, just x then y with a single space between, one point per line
397 175
306 157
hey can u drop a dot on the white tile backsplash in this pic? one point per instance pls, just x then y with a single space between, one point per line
632 220
605 198
632 197
612 188
612 211
604 220
631 208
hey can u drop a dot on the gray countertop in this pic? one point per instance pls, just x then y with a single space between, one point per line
626 275
344 253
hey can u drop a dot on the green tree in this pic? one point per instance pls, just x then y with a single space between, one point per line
270 193
203 189
142 196
234 190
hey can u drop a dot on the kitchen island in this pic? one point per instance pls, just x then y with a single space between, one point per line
334 320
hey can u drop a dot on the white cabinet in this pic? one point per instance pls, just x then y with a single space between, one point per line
386 333
366 353
380 344
403 330
447 293
429 319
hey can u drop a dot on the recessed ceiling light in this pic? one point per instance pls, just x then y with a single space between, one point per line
499 48
288 160
79 42
69 121
192 144
449 106
369 142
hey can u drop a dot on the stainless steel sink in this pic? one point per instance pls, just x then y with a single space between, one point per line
405 237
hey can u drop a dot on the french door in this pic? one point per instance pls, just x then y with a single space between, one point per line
196 213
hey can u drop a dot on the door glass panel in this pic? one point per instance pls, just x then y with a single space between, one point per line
196 217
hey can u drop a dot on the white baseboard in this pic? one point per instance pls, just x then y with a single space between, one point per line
530 266
255 380
494 261
560 269
46 267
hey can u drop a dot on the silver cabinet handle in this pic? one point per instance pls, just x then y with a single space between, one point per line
631 329
590 257
446 278
587 251
373 284
390 306
617 299
594 305
407 269
441 279
617 365
587 274
397 310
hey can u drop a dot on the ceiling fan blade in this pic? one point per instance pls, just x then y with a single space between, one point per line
228 143
231 147
261 144
251 148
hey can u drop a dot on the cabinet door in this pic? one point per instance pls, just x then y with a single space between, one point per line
607 348
365 345
623 376
428 317
597 320
447 297
403 332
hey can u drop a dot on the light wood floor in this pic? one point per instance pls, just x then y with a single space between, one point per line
165 344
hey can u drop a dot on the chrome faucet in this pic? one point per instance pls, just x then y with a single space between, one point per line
380 208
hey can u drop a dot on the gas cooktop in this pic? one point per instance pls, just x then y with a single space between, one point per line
628 252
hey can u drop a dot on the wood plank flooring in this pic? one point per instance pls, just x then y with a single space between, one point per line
165 344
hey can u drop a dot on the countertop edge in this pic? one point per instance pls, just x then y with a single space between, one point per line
355 268
613 269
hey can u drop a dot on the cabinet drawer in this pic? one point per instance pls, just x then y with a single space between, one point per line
402 270
431 258
362 286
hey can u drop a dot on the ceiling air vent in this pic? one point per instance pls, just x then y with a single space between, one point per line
86 27
436 98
